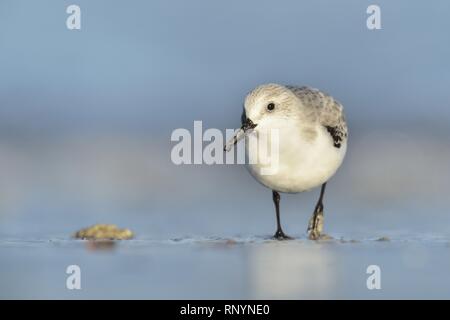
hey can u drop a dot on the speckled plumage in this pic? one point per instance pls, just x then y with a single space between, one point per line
325 109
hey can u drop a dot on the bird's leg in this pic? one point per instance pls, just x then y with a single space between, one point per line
279 234
315 226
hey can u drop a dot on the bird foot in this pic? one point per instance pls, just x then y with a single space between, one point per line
315 226
279 235
321 236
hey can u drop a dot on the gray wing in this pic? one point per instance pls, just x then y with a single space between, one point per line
325 109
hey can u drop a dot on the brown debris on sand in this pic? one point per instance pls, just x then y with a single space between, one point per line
104 232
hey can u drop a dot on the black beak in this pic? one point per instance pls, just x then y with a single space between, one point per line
248 124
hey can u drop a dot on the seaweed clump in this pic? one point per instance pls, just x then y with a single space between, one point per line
104 232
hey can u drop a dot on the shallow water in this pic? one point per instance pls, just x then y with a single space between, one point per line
226 268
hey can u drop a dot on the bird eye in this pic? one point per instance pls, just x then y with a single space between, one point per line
270 106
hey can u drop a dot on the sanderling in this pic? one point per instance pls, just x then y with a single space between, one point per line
312 142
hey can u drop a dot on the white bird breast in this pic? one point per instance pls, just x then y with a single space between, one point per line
283 158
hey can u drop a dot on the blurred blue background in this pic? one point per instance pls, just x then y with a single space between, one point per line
86 117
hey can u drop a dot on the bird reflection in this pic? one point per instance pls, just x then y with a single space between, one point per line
286 271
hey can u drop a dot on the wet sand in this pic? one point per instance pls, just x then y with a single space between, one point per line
227 268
